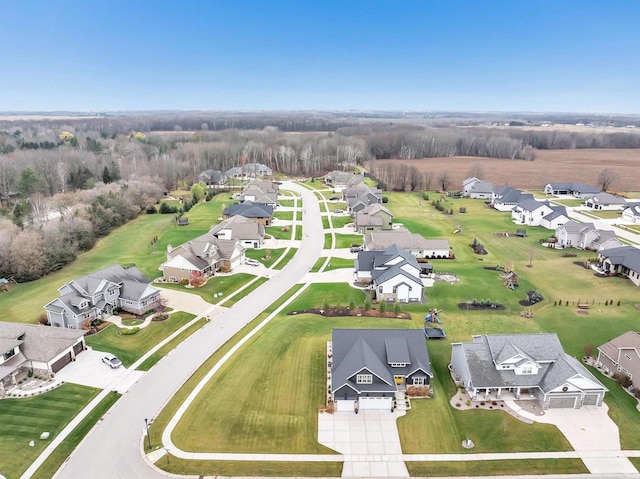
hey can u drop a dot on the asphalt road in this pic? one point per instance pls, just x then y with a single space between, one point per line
112 449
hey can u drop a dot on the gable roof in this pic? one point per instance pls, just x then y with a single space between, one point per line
627 256
403 238
249 209
481 187
628 340
531 204
242 228
39 343
606 199
511 195
374 350
633 208
574 187
557 211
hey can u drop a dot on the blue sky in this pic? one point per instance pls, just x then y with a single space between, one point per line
515 55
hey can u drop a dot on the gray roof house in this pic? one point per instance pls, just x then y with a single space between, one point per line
360 196
249 169
258 212
525 367
622 354
585 236
579 190
505 198
369 366
89 297
605 201
531 212
631 213
243 230
32 347
467 184
481 190
414 243
213 178
624 260
394 274
340 179
557 217
374 217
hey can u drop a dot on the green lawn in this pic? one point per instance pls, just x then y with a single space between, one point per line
164 350
607 215
341 221
316 267
507 467
325 223
337 263
344 241
23 420
279 232
284 215
60 454
258 254
298 236
288 257
129 348
328 241
237 297
250 468
225 284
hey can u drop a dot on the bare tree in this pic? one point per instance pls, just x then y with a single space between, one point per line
477 170
606 178
444 179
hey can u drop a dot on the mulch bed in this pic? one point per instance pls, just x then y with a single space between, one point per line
335 312
526 303
480 307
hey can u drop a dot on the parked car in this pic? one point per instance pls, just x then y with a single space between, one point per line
112 361
252 262
355 249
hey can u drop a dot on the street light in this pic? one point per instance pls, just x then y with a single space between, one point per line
146 423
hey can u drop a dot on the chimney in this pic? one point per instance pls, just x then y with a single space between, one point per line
169 250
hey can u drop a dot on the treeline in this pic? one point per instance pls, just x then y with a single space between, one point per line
70 224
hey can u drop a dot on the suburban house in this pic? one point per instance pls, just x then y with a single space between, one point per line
505 198
374 217
369 366
530 212
481 190
213 178
394 274
261 191
359 196
467 184
631 213
605 201
624 260
524 367
579 190
414 243
32 347
243 230
96 294
249 170
258 212
205 255
585 236
340 179
622 354
557 217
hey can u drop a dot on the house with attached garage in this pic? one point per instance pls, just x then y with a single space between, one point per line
370 366
530 212
340 179
414 243
213 178
631 213
481 190
622 355
40 349
605 201
258 212
524 367
374 217
360 196
505 198
205 255
557 217
624 260
261 191
245 231
96 294
585 236
467 184
579 190
393 274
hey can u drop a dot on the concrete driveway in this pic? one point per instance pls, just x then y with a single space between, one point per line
89 370
369 441
590 430
183 301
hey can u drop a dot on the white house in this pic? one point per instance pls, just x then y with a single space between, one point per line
481 190
394 274
624 260
558 217
605 201
585 236
414 243
632 213
579 190
468 184
530 212
505 198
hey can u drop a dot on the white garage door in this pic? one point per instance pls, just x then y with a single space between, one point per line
375 403
562 402
345 406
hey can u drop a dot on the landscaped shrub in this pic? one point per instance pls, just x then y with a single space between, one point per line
352 305
383 307
396 308
468 402
129 332
367 305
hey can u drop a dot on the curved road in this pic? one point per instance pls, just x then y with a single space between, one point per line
112 449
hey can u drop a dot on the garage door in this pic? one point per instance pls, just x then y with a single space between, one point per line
77 349
566 402
345 406
375 403
590 400
60 363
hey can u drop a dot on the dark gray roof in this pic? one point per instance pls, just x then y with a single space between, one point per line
212 176
531 204
355 350
627 256
607 199
242 228
40 343
514 196
557 212
575 187
504 190
249 209
482 187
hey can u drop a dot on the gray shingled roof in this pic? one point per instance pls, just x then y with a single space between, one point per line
355 350
557 211
482 187
531 204
249 209
40 343
402 237
627 256
607 199
241 228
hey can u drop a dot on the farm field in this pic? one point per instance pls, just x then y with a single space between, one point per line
582 165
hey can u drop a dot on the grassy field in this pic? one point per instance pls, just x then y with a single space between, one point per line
250 468
288 257
164 350
237 297
284 215
129 348
60 454
225 284
279 232
606 215
23 420
338 263
344 241
258 254
497 468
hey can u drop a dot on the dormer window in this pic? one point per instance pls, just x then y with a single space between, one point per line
526 369
364 379
398 365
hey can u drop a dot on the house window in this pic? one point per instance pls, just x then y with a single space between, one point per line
526 370
418 382
364 379
9 354
398 365
380 289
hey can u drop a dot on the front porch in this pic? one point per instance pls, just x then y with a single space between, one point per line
502 394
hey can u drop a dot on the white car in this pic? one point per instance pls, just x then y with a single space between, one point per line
112 361
252 262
